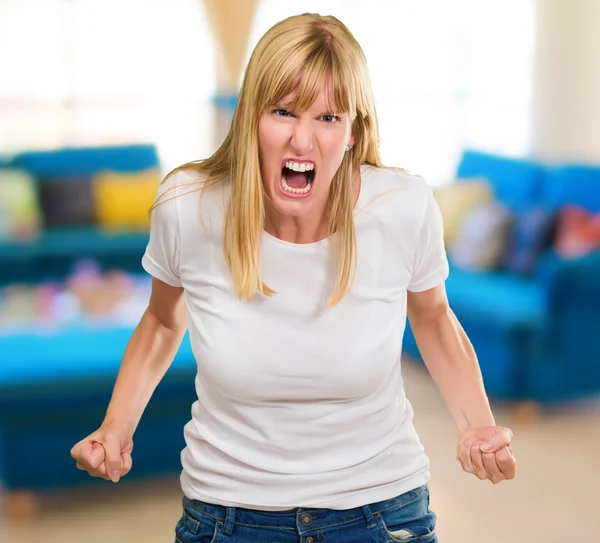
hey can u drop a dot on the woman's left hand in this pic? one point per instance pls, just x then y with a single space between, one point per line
485 452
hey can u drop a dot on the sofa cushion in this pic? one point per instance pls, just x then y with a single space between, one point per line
456 199
483 237
501 299
66 201
122 201
532 234
578 232
20 217
572 184
515 182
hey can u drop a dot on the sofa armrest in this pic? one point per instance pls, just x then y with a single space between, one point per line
569 361
564 279
568 281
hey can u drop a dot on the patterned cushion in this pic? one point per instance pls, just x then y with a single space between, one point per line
483 238
456 199
533 232
19 210
578 232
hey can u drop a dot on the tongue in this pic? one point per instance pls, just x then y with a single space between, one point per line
295 180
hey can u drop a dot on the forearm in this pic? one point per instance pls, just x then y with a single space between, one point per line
149 353
452 363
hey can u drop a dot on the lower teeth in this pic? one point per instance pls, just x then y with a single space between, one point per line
287 188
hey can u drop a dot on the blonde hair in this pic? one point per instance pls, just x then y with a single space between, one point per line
300 54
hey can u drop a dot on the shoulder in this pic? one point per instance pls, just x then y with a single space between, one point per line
396 189
180 182
186 192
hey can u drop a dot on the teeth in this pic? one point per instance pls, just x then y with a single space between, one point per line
287 188
297 167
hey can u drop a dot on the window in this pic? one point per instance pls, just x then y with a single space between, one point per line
445 74
90 72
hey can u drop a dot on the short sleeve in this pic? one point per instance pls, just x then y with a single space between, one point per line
161 258
430 267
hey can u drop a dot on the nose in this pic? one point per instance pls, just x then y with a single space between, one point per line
302 137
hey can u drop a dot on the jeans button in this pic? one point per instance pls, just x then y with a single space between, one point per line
310 539
306 519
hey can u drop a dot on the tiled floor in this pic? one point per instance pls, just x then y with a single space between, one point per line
554 498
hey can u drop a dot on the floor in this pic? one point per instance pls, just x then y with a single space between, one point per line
552 500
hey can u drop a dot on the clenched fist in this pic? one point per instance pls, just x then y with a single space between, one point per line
106 453
485 452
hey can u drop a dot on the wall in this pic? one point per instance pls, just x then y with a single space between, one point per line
566 97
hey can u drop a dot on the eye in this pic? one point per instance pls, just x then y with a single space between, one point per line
278 112
330 118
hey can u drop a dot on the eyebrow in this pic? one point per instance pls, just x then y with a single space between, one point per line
280 105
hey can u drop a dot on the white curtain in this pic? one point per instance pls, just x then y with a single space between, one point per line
445 74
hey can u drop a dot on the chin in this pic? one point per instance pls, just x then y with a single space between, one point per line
292 207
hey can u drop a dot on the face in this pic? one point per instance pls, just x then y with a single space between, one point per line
300 151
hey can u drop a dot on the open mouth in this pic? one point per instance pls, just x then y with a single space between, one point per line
297 178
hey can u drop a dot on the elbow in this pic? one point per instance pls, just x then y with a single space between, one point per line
173 322
434 317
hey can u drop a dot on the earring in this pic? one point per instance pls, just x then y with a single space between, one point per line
348 147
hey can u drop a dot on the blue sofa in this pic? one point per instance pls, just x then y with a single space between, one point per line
55 385
536 337
53 252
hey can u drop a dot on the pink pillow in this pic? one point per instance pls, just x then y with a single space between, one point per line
578 232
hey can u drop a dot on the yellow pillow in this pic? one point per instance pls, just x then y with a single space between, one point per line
122 200
456 199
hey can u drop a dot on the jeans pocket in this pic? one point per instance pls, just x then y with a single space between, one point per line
197 528
409 522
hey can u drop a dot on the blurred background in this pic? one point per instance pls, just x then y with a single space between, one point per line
496 103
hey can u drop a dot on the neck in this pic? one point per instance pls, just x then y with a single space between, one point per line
296 229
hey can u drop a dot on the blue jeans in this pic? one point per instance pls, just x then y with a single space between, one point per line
405 519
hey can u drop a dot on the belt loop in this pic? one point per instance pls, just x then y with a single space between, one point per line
371 522
229 520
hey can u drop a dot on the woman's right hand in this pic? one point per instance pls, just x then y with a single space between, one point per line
106 453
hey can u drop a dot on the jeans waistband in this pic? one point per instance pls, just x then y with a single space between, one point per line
298 518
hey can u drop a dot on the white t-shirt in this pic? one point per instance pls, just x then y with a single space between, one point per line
298 405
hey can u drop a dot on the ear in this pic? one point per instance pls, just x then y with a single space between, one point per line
351 141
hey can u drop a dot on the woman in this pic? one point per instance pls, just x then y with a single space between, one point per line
296 257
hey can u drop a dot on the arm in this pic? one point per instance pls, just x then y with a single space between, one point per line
483 448
449 358
106 453
149 353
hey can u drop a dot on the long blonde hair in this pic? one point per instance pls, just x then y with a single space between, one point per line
300 54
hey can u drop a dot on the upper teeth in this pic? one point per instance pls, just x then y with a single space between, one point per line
297 167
